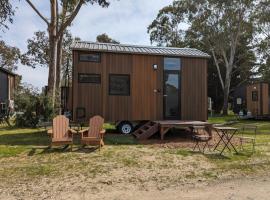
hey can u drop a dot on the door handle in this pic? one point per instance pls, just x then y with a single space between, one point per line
157 90
165 95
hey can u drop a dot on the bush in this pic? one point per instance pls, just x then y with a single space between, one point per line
31 106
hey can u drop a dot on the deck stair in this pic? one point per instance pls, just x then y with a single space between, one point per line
146 130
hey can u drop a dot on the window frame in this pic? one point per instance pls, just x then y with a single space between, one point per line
97 53
96 83
253 95
121 75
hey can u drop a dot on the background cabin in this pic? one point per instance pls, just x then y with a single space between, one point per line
7 85
258 99
135 83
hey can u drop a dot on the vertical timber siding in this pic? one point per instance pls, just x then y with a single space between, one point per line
260 107
143 103
146 104
194 89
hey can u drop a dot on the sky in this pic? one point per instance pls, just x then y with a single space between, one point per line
124 20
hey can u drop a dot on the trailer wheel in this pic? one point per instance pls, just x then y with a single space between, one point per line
125 127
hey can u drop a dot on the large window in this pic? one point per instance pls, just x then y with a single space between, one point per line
89 57
89 78
119 84
254 95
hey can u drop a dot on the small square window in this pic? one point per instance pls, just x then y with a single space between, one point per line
254 95
119 84
80 113
89 57
89 78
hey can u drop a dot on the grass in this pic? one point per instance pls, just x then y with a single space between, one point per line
23 156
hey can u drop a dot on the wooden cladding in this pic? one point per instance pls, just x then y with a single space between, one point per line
258 99
145 101
194 89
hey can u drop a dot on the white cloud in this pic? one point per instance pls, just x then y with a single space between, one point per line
124 20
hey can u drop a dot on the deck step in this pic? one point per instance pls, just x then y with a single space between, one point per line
146 130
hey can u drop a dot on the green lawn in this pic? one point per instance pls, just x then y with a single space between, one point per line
24 156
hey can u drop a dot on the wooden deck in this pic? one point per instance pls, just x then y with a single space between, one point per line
166 125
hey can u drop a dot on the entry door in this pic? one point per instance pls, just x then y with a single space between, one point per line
171 94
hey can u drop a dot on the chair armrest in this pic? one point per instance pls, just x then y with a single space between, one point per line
72 131
83 131
50 132
102 133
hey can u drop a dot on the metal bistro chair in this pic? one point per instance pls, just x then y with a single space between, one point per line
251 131
200 135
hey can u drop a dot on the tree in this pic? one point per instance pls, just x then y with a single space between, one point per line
38 51
262 18
104 38
58 23
9 56
216 25
6 13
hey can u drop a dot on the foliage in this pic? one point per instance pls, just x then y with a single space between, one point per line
6 13
262 19
9 56
104 38
62 14
37 50
224 29
31 106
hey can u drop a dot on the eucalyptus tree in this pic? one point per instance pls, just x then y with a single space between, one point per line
9 56
219 26
6 13
62 14
104 38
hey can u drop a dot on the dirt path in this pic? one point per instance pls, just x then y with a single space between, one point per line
246 188
237 189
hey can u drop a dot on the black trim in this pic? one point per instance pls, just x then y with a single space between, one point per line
90 74
180 90
254 95
123 75
87 52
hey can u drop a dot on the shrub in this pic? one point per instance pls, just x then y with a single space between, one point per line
31 106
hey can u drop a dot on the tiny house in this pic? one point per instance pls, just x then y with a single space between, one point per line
7 85
258 99
128 83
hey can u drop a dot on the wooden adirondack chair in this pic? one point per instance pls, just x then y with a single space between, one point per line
60 133
95 133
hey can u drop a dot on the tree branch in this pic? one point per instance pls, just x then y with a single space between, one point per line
70 19
218 69
38 13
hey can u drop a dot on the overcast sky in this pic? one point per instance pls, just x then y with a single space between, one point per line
124 20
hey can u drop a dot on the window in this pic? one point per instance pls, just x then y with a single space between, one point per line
80 113
254 95
119 84
89 78
172 63
89 57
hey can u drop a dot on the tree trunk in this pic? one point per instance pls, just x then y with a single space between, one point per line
53 52
226 90
58 73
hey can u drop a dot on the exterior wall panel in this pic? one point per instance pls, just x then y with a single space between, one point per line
194 89
146 88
